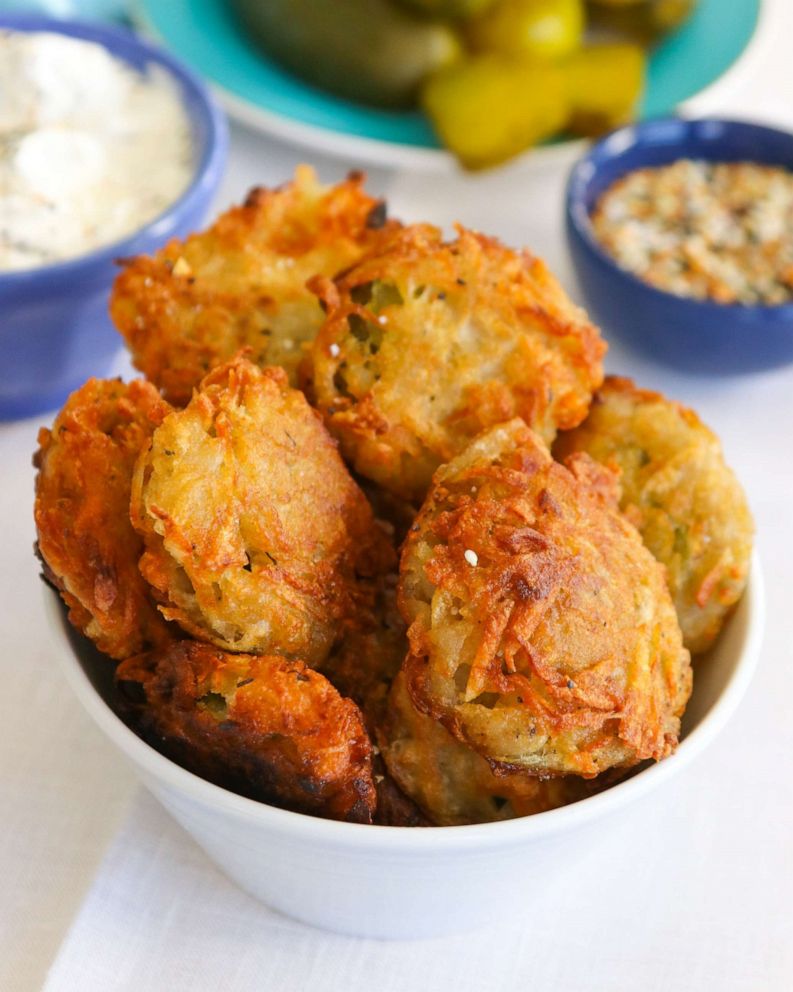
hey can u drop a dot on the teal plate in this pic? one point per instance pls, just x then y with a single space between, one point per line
206 35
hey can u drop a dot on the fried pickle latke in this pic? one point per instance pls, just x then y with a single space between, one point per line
677 490
451 782
267 727
541 632
427 343
85 538
242 282
255 534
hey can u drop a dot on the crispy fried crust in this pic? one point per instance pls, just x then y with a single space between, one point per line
394 808
362 666
267 727
676 488
242 282
541 630
427 343
85 539
255 534
370 651
395 514
451 782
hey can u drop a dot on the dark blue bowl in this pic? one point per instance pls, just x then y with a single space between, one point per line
690 334
55 331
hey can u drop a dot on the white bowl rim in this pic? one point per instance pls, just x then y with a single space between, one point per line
425 840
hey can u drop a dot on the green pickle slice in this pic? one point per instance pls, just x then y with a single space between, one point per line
604 86
488 108
547 29
643 21
452 9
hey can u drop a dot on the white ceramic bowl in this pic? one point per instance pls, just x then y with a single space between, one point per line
396 882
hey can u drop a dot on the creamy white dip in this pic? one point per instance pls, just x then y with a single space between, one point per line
90 150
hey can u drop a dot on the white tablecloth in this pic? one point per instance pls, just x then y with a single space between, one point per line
693 889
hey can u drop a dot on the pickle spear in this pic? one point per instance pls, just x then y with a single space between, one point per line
604 86
371 51
452 9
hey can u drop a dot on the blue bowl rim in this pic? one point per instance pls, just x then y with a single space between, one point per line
579 218
208 169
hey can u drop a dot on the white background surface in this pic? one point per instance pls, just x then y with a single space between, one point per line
693 889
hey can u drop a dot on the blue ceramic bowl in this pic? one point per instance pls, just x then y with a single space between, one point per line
690 334
55 331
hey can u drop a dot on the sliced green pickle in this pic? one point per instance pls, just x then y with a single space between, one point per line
546 29
488 108
604 87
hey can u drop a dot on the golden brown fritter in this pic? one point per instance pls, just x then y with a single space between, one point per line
267 727
242 282
677 490
541 630
427 343
85 539
255 533
451 782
